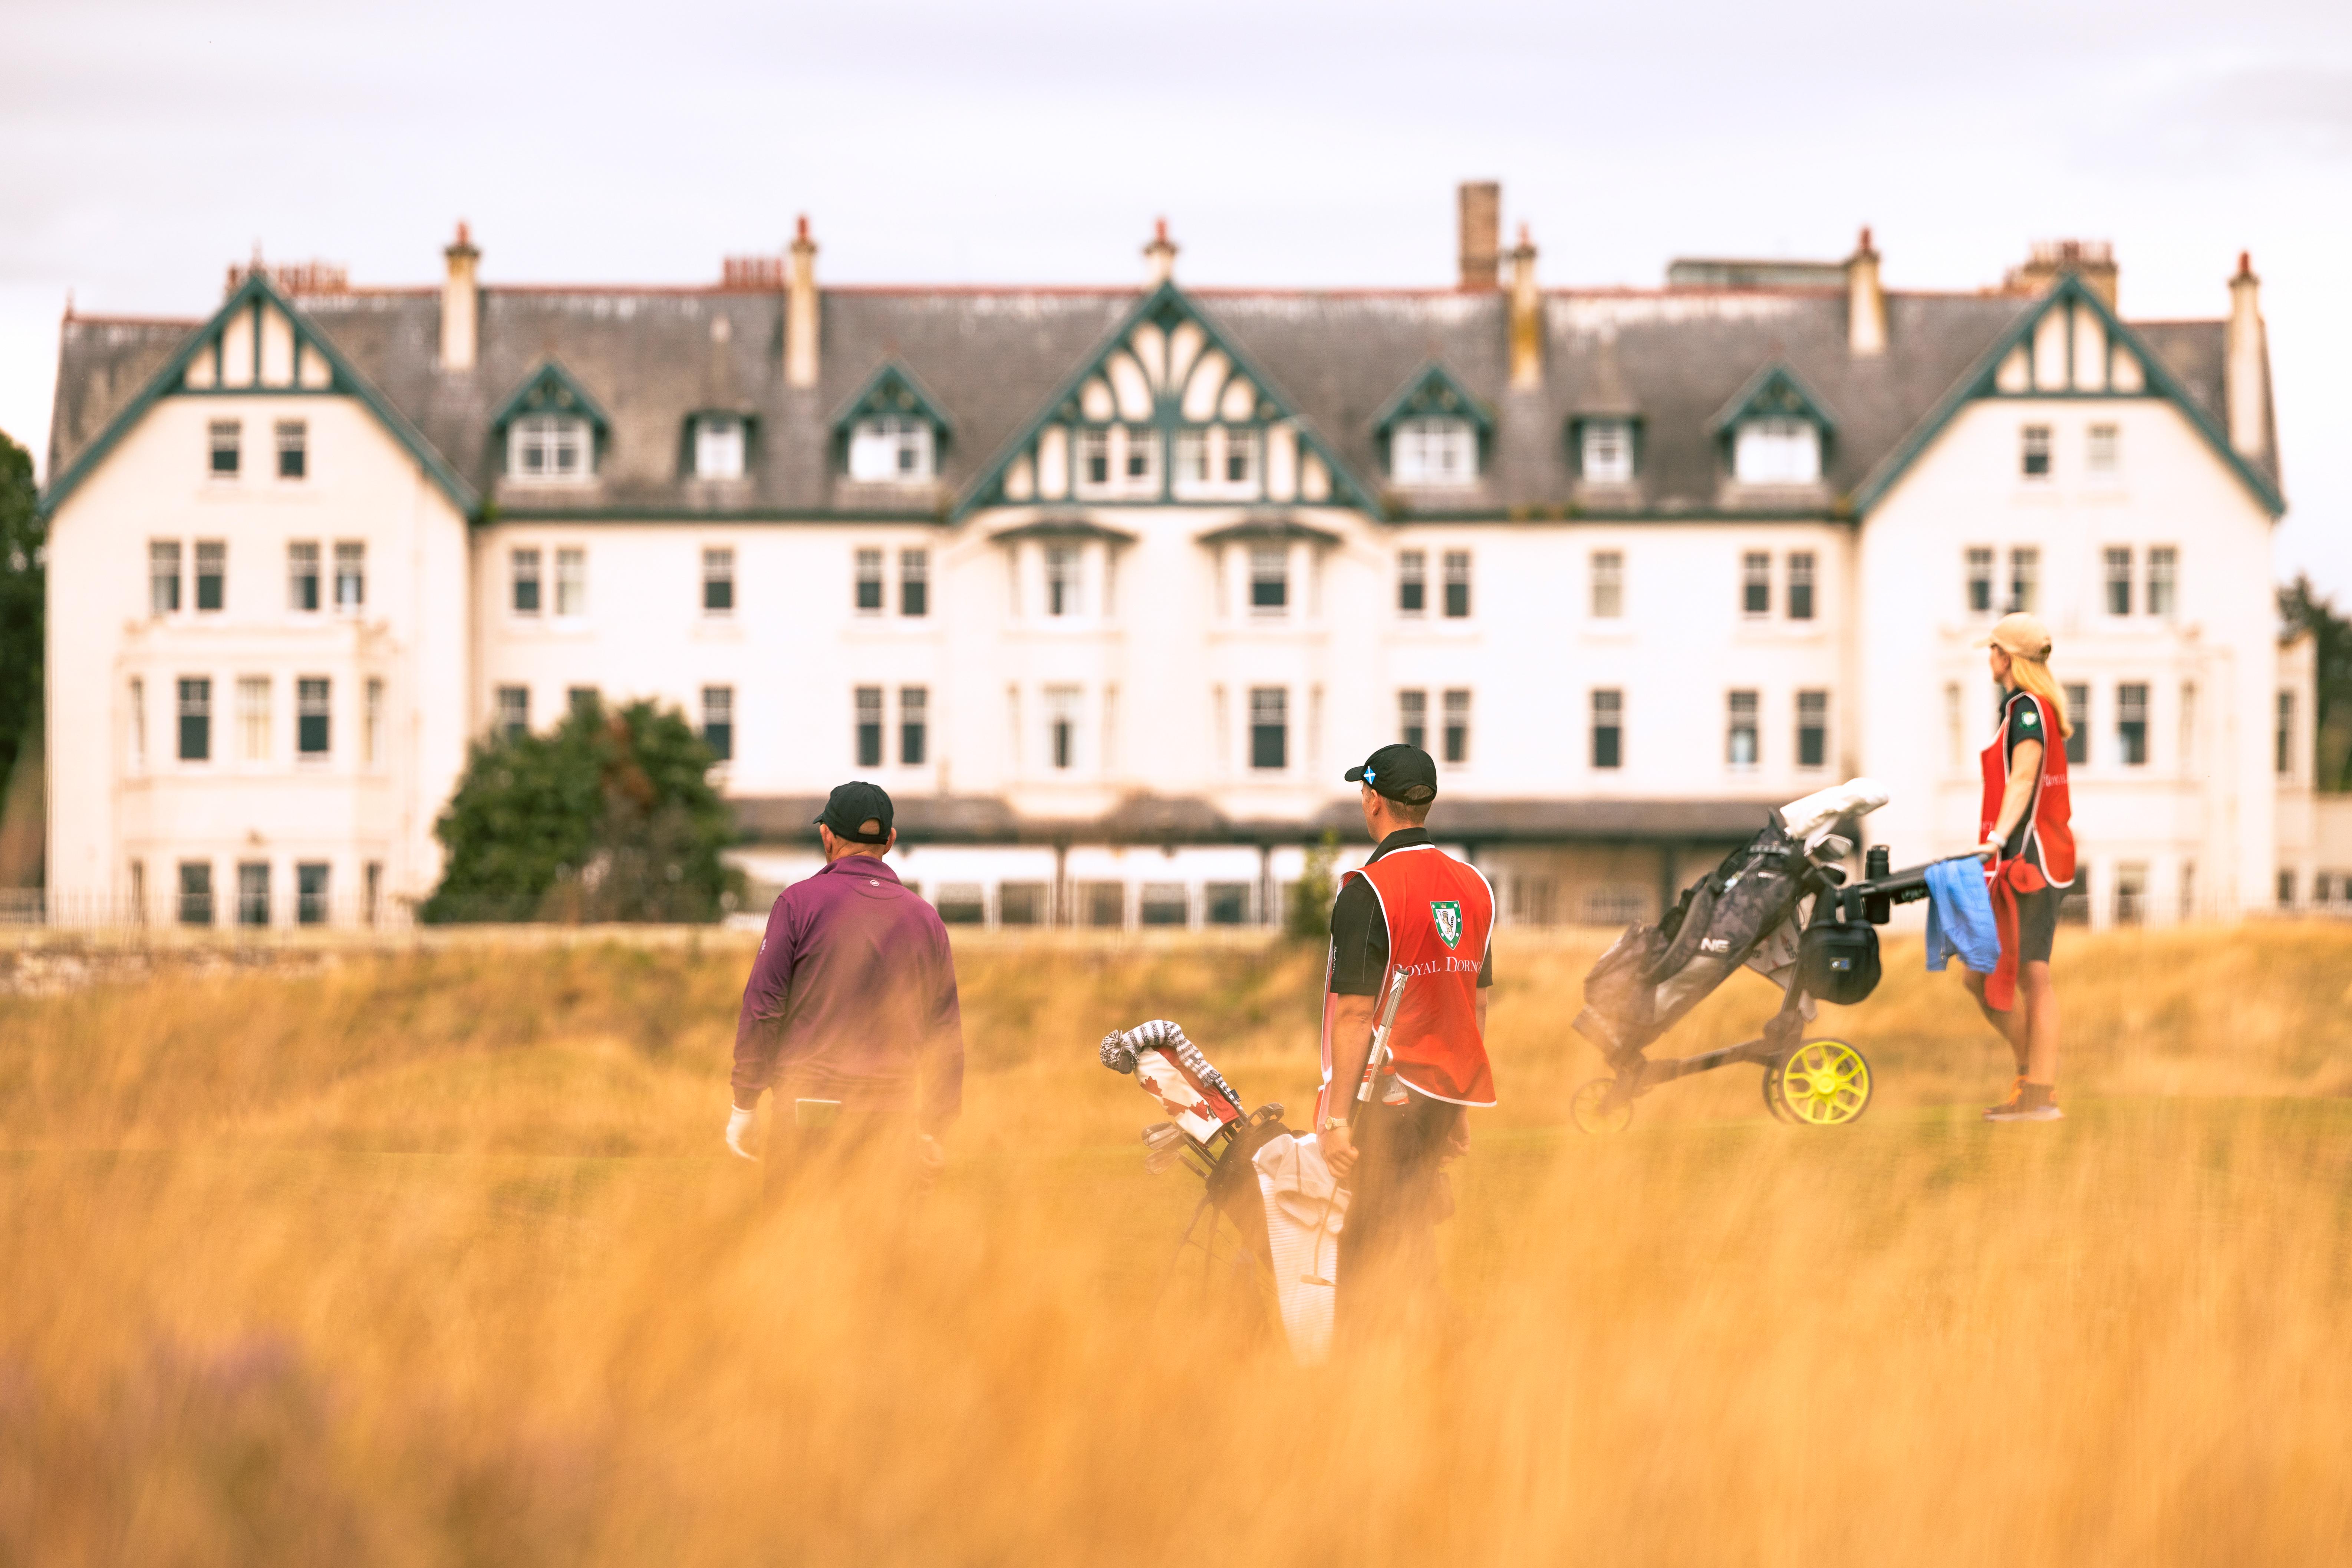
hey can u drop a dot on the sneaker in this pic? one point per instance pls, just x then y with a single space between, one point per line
2028 1102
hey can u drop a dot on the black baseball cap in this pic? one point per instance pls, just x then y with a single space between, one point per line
851 805
1400 772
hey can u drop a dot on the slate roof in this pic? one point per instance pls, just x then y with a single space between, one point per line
653 357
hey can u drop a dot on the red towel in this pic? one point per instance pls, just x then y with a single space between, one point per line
2009 878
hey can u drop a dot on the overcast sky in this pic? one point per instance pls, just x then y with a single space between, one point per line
143 146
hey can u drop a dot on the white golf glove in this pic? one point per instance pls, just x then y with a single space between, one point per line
743 1133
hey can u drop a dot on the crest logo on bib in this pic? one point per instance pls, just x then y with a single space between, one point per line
1447 913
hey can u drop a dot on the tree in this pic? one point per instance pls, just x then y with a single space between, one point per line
2331 722
1308 918
610 816
22 540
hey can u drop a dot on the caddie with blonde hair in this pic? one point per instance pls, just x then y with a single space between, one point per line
2027 836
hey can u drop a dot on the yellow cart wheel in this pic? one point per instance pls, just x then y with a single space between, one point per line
1823 1083
1593 1111
1772 1089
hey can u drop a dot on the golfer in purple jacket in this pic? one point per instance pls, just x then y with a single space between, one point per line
850 1015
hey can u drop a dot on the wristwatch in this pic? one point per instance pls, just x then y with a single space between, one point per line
1332 1125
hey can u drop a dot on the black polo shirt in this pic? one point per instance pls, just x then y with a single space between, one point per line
1359 937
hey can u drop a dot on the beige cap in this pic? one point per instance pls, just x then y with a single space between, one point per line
2019 633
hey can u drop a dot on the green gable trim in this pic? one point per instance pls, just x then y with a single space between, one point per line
1775 392
1978 384
550 389
1164 307
892 389
344 380
1434 393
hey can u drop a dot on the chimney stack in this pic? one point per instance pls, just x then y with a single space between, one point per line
800 310
1866 302
1482 234
2246 356
1526 318
461 304
1159 256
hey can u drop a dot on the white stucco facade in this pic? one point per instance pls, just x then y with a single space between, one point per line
1068 659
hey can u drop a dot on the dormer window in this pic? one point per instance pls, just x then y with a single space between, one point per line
1220 460
719 446
1776 451
1434 452
890 448
550 448
1606 452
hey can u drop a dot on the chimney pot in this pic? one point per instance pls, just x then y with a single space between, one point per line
1481 231
461 304
1866 302
800 310
1159 256
2245 356
1526 318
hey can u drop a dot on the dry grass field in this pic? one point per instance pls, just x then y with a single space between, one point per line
436 1257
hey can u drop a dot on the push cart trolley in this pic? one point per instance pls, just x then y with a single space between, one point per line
1753 912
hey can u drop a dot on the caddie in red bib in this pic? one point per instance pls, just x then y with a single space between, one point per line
1405 1039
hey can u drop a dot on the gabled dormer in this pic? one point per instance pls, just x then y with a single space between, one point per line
553 430
1776 431
259 344
1432 434
2069 344
892 432
1168 409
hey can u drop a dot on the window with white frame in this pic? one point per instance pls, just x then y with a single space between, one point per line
2163 571
2025 579
513 711
1413 583
293 449
1756 584
1062 708
1813 728
1269 570
1457 584
302 575
1608 585
227 438
1776 451
1609 728
1269 728
719 446
1978 568
2104 449
1413 719
138 717
914 583
1119 461
163 576
890 448
571 582
212 573
2034 451
350 576
914 725
1801 584
313 713
1435 453
550 448
1457 727
867 590
1063 566
718 721
719 582
2119 579
1607 451
1740 746
522 577
868 729
252 717
372 729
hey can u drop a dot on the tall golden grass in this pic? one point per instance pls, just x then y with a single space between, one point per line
435 1259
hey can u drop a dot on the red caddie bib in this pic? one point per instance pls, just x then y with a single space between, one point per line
1440 914
2050 817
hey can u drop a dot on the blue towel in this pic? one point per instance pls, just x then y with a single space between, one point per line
1959 915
